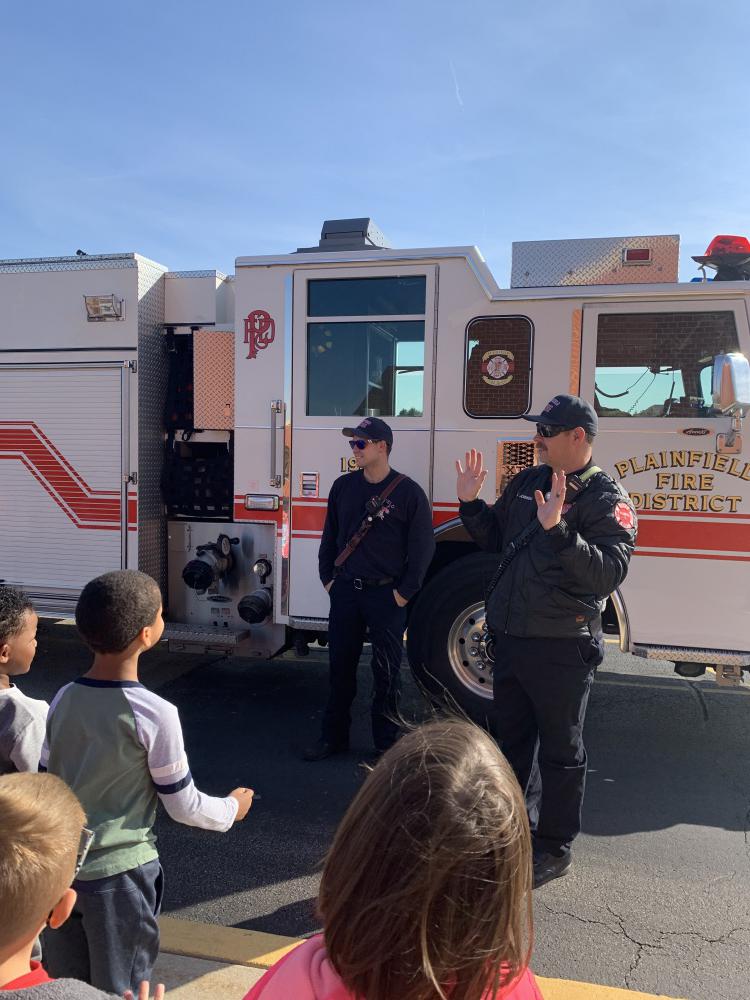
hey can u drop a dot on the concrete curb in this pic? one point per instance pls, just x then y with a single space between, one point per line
223 944
258 950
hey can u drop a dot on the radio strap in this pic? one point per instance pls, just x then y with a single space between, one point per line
575 485
374 506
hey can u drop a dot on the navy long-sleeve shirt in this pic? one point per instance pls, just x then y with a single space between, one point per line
400 543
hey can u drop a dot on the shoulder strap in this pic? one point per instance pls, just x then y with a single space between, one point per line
374 504
389 489
576 484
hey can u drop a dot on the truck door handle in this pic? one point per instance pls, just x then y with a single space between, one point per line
277 406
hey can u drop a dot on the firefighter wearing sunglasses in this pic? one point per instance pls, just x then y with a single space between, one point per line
377 544
565 532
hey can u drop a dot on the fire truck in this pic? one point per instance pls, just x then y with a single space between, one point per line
188 423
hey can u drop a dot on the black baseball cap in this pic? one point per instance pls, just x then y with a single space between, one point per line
567 411
370 427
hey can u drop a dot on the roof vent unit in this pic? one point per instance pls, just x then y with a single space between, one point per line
348 234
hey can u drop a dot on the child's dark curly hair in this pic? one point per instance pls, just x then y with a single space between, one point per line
113 608
14 605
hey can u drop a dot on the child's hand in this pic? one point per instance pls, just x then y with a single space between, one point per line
143 992
244 797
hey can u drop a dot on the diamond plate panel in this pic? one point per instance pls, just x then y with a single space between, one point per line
213 380
196 274
152 386
694 655
65 264
208 635
544 263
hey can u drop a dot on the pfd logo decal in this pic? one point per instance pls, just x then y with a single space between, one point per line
498 367
260 331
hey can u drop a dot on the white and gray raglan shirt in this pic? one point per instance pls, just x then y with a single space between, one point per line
22 722
119 746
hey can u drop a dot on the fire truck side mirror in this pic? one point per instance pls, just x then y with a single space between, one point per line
730 384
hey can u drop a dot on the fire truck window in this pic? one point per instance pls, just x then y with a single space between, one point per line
498 366
365 369
403 296
659 364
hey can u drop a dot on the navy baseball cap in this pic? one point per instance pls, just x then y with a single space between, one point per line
370 427
568 411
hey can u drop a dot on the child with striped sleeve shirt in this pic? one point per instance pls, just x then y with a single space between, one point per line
119 747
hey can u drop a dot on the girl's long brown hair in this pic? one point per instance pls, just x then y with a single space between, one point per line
426 890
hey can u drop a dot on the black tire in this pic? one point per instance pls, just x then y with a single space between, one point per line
448 605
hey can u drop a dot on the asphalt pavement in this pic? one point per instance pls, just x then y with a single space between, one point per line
658 897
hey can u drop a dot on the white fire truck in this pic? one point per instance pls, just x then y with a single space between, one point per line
189 424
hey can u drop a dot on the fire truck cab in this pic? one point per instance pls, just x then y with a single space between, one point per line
189 424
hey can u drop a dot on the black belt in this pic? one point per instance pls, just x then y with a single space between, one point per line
360 582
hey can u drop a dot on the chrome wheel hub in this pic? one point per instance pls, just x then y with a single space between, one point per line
471 652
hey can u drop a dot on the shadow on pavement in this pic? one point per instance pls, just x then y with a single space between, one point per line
664 752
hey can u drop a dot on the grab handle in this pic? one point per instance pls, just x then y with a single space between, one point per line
277 406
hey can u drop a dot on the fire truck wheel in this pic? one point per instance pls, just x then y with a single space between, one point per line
447 648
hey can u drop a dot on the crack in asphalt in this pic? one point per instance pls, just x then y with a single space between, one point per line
721 939
575 916
701 699
644 948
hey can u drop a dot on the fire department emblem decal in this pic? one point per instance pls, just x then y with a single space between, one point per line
260 331
624 515
497 367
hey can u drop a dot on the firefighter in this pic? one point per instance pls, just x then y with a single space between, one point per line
377 544
572 530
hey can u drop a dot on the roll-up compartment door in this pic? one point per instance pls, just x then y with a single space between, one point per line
61 476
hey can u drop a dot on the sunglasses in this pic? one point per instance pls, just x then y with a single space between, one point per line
84 845
360 443
548 431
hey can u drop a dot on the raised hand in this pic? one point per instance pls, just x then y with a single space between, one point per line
471 479
549 511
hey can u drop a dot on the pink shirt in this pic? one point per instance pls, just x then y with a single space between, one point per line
306 974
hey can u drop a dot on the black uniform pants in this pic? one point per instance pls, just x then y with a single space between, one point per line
354 611
541 690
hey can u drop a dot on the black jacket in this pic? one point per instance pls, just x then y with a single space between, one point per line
555 587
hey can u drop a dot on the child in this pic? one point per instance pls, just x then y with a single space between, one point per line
40 837
119 746
426 890
22 719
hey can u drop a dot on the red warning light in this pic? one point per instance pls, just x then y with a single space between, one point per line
729 256
637 255
721 245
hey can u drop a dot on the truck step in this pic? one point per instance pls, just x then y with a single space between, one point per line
207 636
53 605
683 654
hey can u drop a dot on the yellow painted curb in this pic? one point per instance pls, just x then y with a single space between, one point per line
568 989
259 951
223 944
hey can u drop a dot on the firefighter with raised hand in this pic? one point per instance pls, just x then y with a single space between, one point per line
565 532
377 544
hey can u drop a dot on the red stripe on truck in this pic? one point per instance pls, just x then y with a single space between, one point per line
86 508
704 536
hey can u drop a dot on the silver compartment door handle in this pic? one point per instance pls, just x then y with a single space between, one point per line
277 406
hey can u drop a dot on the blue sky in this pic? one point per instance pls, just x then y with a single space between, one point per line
195 133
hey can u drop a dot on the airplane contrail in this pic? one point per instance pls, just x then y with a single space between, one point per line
455 83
